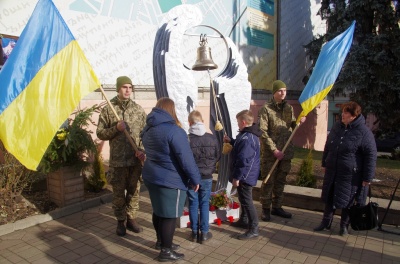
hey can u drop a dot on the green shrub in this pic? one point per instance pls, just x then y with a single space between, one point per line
306 176
14 179
396 154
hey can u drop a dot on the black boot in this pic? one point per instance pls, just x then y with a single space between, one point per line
205 236
194 236
173 246
133 226
280 212
168 254
250 234
266 215
343 231
121 229
243 221
325 224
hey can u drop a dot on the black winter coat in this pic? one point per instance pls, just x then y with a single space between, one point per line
206 153
349 159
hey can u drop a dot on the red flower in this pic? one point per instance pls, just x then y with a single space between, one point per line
235 205
212 208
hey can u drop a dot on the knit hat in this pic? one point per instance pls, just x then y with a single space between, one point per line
278 84
121 80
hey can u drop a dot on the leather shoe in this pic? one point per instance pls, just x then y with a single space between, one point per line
280 212
204 237
266 215
121 230
173 246
240 223
168 254
133 226
343 231
250 234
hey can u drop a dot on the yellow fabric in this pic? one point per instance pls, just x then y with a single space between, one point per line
312 102
29 123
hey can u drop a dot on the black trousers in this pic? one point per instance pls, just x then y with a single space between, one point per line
245 193
330 209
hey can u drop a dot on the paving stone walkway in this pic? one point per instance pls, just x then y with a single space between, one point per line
89 237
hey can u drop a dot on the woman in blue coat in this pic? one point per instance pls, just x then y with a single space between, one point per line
168 172
349 160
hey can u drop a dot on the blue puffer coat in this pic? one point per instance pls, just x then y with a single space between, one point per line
246 155
349 158
169 159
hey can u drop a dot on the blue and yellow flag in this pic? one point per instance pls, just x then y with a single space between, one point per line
41 83
326 70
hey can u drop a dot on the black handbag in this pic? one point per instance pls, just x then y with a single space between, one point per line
364 217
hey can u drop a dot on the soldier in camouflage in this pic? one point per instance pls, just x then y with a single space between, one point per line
125 164
276 120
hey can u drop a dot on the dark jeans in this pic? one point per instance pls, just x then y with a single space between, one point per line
245 193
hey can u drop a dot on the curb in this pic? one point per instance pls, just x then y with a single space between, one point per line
56 214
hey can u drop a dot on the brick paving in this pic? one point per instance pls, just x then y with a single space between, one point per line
89 237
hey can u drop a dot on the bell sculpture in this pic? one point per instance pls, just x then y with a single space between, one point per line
204 60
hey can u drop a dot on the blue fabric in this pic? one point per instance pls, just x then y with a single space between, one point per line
200 200
246 155
349 159
169 159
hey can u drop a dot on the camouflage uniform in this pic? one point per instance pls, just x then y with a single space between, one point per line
276 122
125 168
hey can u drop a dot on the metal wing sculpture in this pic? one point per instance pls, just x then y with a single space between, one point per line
230 93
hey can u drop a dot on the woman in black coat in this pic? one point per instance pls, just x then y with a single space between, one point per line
349 160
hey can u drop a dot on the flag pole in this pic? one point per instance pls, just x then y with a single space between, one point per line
134 146
283 150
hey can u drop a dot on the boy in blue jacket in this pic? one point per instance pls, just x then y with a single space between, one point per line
246 167
206 153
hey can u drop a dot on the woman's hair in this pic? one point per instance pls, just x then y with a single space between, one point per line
351 107
168 105
247 116
195 116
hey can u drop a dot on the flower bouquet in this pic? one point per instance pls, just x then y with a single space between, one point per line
220 200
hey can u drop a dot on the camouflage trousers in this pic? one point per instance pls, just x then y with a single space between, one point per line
125 182
272 191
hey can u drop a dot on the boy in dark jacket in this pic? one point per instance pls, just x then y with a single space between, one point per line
246 167
206 153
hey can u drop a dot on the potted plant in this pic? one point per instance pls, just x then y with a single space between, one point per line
71 149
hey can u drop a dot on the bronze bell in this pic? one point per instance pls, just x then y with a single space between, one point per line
204 60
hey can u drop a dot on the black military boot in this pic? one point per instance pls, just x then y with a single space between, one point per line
121 230
280 212
250 234
266 214
243 221
168 254
133 226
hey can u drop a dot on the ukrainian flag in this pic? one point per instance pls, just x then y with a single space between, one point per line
326 70
41 83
